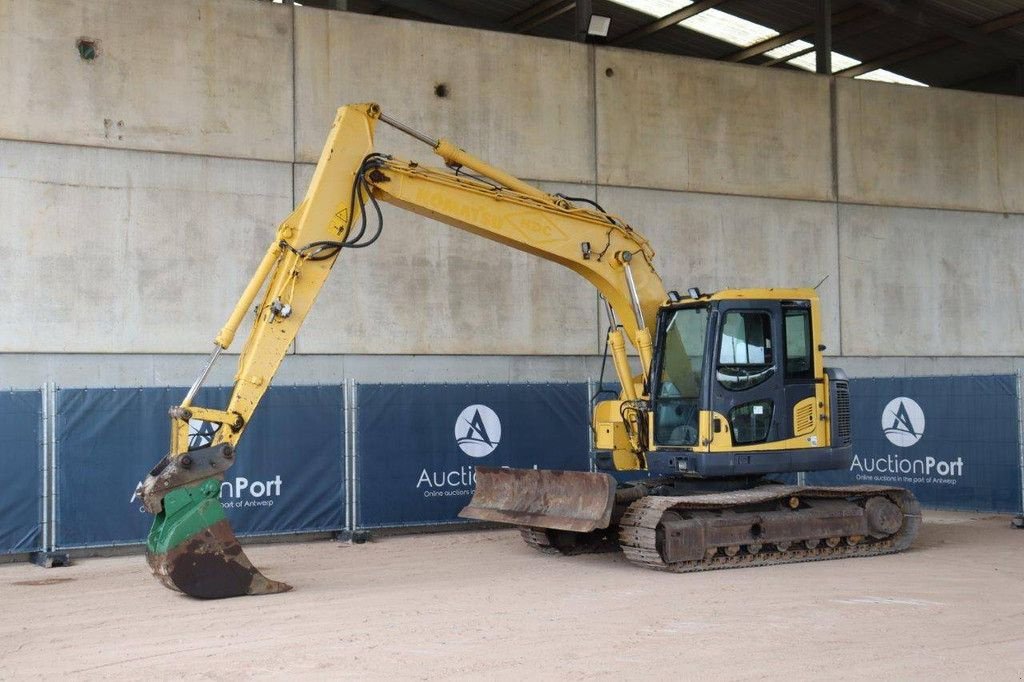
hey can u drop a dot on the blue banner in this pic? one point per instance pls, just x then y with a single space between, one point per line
953 441
288 478
418 444
21 472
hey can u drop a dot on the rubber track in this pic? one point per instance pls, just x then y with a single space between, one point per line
638 527
538 539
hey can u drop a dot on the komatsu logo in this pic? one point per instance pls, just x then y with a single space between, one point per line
903 422
478 431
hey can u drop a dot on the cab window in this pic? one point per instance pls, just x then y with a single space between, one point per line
678 393
798 345
746 354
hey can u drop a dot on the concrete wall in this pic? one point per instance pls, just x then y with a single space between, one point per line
191 76
929 148
524 104
138 189
673 123
125 252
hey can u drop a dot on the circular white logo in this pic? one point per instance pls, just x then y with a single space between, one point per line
903 422
478 430
200 433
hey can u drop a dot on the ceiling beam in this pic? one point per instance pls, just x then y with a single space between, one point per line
788 57
440 12
918 13
664 22
1012 76
929 46
530 12
838 19
823 38
584 11
842 33
544 17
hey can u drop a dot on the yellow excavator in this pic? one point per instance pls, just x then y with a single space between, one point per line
725 389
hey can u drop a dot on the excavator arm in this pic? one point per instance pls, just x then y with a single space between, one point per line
191 546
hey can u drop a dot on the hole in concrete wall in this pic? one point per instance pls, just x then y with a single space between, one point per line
86 48
609 72
441 90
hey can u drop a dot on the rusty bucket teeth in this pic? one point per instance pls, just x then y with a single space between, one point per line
192 549
212 565
565 500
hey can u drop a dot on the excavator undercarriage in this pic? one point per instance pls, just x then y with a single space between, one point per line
682 525
769 525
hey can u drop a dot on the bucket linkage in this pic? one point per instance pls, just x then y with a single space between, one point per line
191 547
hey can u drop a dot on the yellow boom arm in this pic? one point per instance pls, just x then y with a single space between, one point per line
191 546
600 247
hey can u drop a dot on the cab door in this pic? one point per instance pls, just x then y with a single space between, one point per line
747 378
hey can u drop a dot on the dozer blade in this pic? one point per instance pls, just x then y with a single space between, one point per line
565 500
191 547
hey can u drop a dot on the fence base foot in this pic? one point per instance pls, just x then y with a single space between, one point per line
1018 522
50 559
356 537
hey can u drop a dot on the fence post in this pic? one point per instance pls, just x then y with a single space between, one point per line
49 557
1019 521
44 451
354 487
54 466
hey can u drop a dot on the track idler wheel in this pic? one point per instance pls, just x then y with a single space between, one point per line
883 517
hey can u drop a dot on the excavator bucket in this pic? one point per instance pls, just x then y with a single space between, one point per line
191 547
566 500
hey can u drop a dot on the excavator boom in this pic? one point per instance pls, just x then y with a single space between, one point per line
191 546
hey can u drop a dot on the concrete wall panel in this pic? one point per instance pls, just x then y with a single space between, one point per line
670 122
716 242
425 287
1010 159
192 76
917 147
119 251
931 283
521 103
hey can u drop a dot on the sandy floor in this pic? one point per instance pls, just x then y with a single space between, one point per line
483 605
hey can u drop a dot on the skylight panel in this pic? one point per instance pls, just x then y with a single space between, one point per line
809 61
788 49
656 8
886 76
728 28
742 33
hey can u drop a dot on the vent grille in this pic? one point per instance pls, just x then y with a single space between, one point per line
841 412
803 420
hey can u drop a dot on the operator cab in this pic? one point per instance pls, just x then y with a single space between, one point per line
738 388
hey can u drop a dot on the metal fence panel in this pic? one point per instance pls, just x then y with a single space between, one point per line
288 476
953 441
418 444
21 507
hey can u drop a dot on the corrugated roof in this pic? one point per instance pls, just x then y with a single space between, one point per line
943 43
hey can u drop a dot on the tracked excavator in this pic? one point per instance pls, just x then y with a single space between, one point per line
725 390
